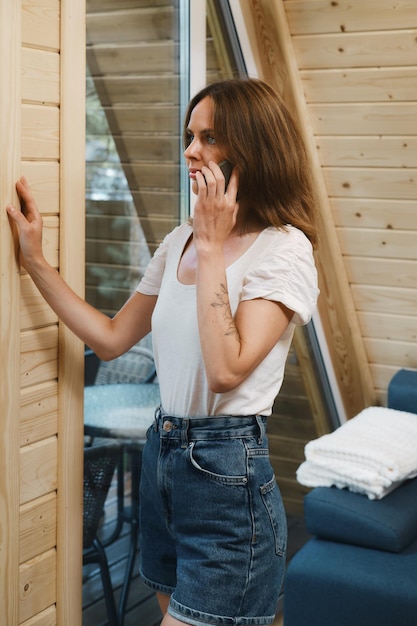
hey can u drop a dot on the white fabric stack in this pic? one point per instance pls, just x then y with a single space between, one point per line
371 454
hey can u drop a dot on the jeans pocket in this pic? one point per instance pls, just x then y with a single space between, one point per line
272 500
217 462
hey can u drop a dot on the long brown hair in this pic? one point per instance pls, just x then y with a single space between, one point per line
257 133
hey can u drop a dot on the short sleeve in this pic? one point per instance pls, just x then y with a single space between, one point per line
285 273
151 281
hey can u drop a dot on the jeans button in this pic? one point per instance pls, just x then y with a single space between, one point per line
167 426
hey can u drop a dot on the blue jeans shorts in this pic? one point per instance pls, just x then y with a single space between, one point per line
212 522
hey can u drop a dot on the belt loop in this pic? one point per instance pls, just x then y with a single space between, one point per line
184 432
262 429
157 416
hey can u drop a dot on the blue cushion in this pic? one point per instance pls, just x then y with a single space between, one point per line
402 391
340 515
333 584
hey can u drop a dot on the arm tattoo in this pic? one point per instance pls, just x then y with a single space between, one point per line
222 301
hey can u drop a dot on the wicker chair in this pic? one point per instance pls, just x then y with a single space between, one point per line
135 366
99 466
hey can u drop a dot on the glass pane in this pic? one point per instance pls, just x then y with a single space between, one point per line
133 141
134 197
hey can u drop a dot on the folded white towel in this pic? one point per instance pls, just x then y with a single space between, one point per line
371 453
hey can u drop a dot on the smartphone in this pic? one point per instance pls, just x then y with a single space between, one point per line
226 167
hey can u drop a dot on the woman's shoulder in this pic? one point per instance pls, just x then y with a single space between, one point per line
286 238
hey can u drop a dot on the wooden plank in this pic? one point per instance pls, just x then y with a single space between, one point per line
376 151
40 132
322 16
37 585
343 50
383 272
150 58
43 178
380 118
40 76
39 356
376 242
38 412
397 353
385 299
37 526
381 84
136 119
393 326
158 203
44 618
115 5
40 24
133 24
10 125
38 469
34 311
71 349
382 374
371 213
146 175
153 148
136 88
384 183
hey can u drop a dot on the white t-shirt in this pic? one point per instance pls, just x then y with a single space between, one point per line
278 266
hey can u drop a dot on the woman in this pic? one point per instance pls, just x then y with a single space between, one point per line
222 296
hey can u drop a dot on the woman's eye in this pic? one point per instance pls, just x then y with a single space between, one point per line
210 139
188 138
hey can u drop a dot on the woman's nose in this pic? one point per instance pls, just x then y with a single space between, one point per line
192 150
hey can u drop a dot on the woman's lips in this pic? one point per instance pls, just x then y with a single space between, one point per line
192 173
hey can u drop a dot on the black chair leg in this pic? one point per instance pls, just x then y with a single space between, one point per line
107 584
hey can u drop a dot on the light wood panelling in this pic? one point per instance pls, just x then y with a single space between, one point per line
358 68
37 584
34 311
42 65
130 24
386 118
43 177
40 132
39 356
10 95
378 84
40 76
44 618
388 326
41 24
322 16
37 526
375 213
38 469
38 412
383 183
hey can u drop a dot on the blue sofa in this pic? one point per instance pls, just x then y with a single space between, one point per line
360 567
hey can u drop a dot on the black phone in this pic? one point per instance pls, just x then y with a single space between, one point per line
226 167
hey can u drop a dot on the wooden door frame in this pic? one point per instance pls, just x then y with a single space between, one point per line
71 350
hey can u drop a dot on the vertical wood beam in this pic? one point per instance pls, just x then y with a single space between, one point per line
267 22
10 108
71 350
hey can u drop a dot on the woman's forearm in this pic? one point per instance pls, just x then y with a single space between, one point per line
93 327
219 337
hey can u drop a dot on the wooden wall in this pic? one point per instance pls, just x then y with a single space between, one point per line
41 423
349 71
358 68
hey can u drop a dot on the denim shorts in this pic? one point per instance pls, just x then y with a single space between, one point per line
212 523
